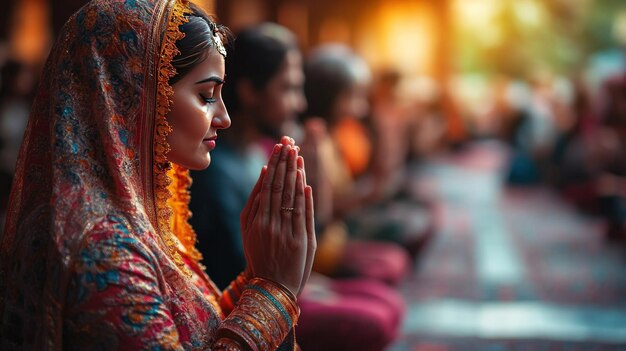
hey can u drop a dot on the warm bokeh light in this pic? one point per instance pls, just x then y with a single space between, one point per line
479 17
399 34
529 12
30 35
295 16
206 5
476 13
243 13
619 29
334 30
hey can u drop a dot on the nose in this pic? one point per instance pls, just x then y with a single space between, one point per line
221 120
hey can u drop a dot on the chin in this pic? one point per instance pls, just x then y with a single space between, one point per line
201 166
197 164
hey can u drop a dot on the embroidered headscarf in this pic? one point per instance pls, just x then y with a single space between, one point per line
95 148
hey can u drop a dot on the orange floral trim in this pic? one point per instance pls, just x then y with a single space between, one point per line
179 203
162 129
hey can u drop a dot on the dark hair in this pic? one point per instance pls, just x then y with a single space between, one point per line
329 70
257 55
200 31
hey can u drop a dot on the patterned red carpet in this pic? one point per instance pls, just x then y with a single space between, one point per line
511 269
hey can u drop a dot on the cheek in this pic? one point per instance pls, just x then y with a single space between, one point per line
283 103
356 105
289 101
286 106
189 123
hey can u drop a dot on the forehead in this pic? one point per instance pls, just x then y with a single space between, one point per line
294 57
212 65
292 66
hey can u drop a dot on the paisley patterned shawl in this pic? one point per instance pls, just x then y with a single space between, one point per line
92 168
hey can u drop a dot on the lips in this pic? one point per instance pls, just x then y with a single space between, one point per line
210 142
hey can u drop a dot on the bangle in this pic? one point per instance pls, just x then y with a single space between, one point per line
225 344
266 313
282 287
255 322
280 296
285 289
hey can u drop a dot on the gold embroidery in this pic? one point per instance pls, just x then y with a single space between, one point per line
162 129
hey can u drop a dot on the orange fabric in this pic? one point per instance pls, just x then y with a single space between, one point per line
330 249
354 145
179 203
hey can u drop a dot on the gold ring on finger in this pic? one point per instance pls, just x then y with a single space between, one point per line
288 209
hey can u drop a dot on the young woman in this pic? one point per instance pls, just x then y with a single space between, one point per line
97 251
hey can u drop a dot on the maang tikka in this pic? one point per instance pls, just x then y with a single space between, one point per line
217 40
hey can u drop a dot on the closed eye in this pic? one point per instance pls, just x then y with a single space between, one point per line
208 100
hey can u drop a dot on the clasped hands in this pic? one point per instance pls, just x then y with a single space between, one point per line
277 223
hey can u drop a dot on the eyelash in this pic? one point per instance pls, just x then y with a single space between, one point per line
208 100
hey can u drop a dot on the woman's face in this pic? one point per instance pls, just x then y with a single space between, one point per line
352 102
283 96
197 113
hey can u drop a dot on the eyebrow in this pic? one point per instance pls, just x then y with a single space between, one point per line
215 79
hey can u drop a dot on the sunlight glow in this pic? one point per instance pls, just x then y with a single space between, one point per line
476 13
529 12
480 18
619 28
400 35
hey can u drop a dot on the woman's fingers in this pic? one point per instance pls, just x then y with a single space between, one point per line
286 140
254 208
299 226
266 186
310 232
309 224
298 216
301 167
278 187
289 192
245 214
